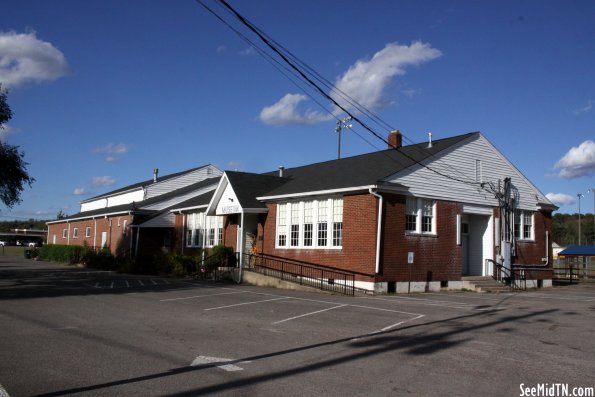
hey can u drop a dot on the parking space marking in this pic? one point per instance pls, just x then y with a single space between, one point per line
431 302
3 392
245 303
567 297
308 314
202 360
198 296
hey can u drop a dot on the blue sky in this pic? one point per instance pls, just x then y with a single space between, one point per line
103 92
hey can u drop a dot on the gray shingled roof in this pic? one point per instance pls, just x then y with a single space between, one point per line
248 186
363 170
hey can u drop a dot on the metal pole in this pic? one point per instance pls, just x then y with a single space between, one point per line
579 217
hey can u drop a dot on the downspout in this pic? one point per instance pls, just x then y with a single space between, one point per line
183 231
137 240
547 248
68 233
379 226
95 234
241 250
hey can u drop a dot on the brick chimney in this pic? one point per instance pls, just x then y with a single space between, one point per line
395 139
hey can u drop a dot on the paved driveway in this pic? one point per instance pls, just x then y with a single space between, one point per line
66 331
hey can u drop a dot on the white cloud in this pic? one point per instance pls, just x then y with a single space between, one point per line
5 132
248 51
102 181
221 49
111 151
561 198
79 191
285 112
585 109
579 161
233 165
24 58
366 82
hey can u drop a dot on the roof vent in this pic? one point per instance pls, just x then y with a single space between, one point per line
155 174
429 140
281 169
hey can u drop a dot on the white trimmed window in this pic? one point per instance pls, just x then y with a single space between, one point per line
75 232
88 231
420 216
64 233
307 224
523 225
281 225
203 231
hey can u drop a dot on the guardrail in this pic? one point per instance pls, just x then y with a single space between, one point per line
304 273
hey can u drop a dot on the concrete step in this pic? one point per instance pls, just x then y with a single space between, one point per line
485 284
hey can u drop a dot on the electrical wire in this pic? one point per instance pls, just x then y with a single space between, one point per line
292 61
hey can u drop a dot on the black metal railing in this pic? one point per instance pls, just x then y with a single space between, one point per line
304 273
514 278
569 274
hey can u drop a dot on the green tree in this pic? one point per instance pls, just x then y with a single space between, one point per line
13 168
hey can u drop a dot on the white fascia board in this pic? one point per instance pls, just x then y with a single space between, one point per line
212 207
317 193
89 217
196 207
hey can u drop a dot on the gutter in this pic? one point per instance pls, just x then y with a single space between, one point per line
373 192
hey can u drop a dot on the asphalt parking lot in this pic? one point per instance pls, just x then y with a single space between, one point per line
66 331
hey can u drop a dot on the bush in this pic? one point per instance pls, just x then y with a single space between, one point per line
71 254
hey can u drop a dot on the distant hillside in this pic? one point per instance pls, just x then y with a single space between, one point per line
565 229
7 226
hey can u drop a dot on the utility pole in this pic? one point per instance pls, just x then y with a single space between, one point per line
579 217
592 190
341 124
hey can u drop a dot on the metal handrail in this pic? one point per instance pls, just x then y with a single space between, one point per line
509 277
304 273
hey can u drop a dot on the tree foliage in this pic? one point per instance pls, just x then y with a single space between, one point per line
13 168
565 229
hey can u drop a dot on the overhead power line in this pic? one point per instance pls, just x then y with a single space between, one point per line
308 75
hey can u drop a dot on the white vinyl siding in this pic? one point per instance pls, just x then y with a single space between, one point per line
473 158
306 224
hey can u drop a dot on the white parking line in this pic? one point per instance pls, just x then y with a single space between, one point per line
3 392
198 296
245 303
429 302
308 314
127 284
153 281
140 282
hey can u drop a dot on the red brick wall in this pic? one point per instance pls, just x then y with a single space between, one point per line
436 257
118 242
531 252
359 238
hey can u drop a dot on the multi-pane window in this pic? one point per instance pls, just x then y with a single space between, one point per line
295 224
75 232
427 216
523 225
337 222
88 232
411 215
64 233
308 224
322 223
420 216
204 231
282 225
